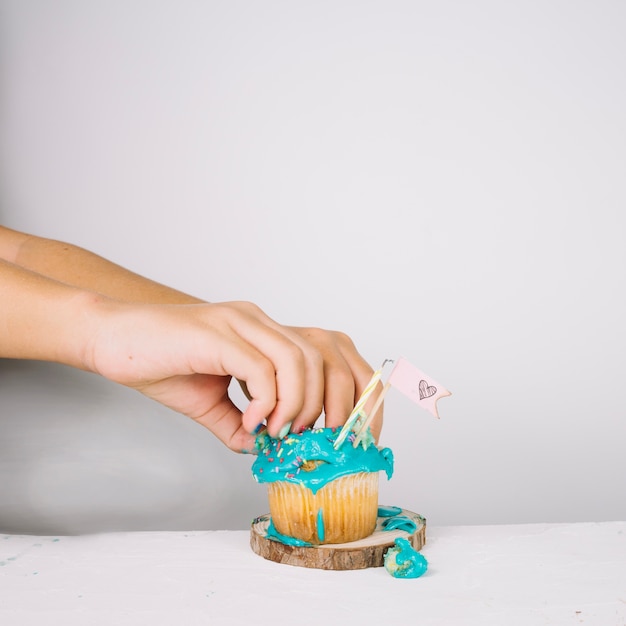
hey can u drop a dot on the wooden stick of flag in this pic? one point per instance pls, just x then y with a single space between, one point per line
362 427
406 378
359 406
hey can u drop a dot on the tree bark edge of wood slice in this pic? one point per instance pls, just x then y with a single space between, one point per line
368 552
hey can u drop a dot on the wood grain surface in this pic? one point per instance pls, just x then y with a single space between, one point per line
368 552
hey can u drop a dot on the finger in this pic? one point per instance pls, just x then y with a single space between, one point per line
290 373
362 374
314 382
270 364
339 393
339 385
224 421
227 354
306 381
204 398
244 389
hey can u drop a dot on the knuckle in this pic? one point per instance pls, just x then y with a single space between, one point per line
315 336
342 377
295 354
265 368
343 339
250 308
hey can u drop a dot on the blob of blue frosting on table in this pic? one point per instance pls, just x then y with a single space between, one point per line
403 561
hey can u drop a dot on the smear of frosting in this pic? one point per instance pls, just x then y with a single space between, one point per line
403 561
400 522
389 520
321 533
389 511
290 459
274 535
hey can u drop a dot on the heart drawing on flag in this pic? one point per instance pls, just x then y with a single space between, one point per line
426 390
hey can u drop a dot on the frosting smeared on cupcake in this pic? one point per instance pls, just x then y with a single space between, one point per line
310 459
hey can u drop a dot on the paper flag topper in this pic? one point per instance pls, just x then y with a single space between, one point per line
419 387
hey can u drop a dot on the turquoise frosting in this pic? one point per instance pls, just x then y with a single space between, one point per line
282 459
321 533
389 511
403 561
274 535
400 522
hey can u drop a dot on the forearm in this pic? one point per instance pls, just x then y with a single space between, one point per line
81 268
43 319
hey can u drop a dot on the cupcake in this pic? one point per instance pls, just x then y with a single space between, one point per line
318 494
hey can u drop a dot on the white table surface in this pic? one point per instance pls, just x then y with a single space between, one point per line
478 575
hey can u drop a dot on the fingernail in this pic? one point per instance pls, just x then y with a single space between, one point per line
257 430
284 431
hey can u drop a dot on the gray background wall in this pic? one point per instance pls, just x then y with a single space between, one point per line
440 180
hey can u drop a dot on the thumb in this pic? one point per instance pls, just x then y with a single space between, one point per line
224 420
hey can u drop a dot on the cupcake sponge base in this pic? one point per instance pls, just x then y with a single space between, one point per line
342 511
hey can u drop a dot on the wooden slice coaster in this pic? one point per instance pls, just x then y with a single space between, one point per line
368 552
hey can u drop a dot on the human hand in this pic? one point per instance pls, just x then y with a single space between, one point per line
185 355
